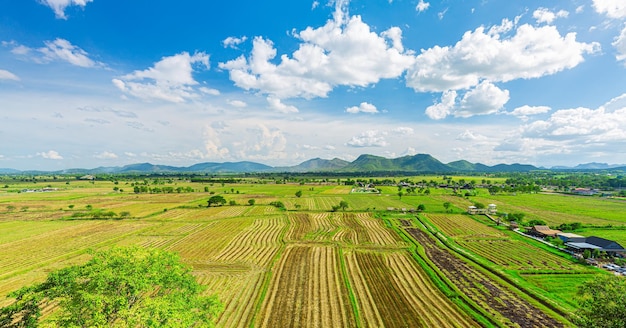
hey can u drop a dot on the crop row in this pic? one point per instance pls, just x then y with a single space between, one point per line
496 298
392 292
511 254
257 243
45 247
209 240
307 291
455 225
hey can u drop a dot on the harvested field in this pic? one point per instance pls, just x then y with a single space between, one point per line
392 292
495 298
307 291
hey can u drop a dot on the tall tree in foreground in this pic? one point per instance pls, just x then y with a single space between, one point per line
602 303
120 287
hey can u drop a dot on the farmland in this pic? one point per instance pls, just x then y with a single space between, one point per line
307 264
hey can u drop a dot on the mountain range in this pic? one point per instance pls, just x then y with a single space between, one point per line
420 163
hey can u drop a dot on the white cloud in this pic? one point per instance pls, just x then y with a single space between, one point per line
442 109
51 154
213 144
469 135
545 15
583 126
343 52
106 155
525 111
58 6
369 138
6 75
63 50
233 42
485 99
422 6
170 79
278 106
532 52
442 13
315 4
620 45
237 103
57 50
611 8
209 91
403 130
580 9
270 144
364 107
410 151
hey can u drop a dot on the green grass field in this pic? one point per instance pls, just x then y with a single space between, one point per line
253 256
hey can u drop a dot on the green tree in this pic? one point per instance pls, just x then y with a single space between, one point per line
446 205
299 193
602 303
251 202
421 207
343 205
217 200
119 287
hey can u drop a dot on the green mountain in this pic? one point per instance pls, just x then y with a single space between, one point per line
316 165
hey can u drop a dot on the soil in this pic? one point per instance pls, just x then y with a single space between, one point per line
489 294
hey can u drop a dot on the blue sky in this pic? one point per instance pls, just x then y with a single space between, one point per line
87 83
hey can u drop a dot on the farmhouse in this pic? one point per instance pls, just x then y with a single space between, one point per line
543 231
567 237
593 243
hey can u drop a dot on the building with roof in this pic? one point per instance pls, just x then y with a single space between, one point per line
543 231
596 243
567 237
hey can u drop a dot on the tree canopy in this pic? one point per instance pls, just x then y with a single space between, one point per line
217 200
120 287
602 303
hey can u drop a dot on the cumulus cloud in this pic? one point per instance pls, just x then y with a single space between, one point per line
58 6
620 45
343 52
403 130
209 91
106 155
278 106
51 154
233 42
237 103
442 109
485 99
581 125
524 111
57 50
488 54
610 8
213 144
469 135
545 15
369 138
6 75
270 144
422 6
170 79
364 107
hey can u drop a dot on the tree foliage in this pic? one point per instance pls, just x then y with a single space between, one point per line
120 287
602 303
299 193
217 200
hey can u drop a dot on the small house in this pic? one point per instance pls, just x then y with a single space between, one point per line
543 231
